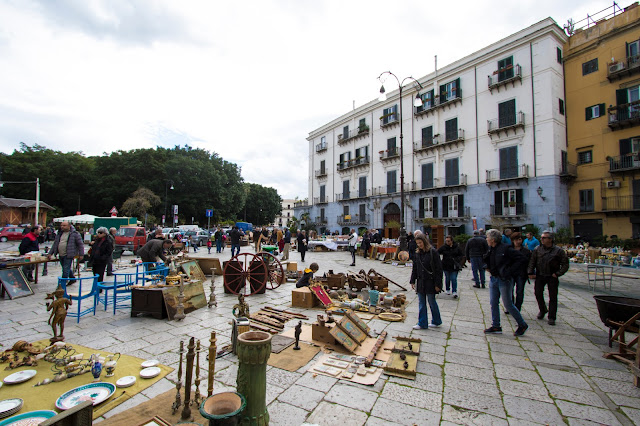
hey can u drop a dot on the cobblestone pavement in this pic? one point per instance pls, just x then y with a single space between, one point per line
551 375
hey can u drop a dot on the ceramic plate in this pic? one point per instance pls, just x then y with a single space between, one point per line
96 392
150 363
9 407
32 418
126 381
19 377
149 373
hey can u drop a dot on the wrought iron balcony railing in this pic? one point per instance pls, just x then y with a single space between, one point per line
321 173
505 123
510 210
353 134
356 162
322 146
623 68
354 219
504 76
624 115
301 203
621 203
625 162
321 200
390 153
517 171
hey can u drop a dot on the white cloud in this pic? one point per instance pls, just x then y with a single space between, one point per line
248 80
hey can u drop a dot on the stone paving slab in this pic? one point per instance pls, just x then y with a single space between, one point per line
550 375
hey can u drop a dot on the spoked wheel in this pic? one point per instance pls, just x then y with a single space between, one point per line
275 275
246 274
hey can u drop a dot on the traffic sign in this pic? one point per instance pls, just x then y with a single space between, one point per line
113 211
209 212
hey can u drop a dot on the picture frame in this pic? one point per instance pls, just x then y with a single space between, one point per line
193 271
14 283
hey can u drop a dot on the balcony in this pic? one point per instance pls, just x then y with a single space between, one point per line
321 200
623 163
353 134
508 173
513 210
322 173
389 120
505 124
568 172
452 216
440 183
389 189
354 219
621 203
301 203
345 196
439 102
504 76
624 115
321 147
624 68
390 154
320 220
356 162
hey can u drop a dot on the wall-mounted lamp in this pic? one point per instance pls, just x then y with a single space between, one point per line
539 191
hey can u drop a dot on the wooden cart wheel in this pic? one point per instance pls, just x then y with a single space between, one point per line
275 275
246 274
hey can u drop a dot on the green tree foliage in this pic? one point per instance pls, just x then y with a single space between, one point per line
140 203
263 204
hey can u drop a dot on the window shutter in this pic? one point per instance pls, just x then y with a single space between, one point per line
391 145
322 192
626 48
427 136
345 189
497 198
391 181
427 176
362 186
435 206
602 108
451 129
345 210
458 90
322 166
621 96
588 113
519 202
461 205
445 206
421 207
443 92
625 146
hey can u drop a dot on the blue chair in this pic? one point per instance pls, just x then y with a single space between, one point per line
120 290
151 271
84 288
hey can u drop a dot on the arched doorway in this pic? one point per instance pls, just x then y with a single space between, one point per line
391 213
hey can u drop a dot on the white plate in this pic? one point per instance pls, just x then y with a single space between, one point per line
150 373
96 392
126 381
10 406
150 363
19 377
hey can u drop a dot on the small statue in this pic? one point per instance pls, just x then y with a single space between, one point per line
58 310
297 334
330 319
241 309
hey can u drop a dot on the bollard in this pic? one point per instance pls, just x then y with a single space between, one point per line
254 349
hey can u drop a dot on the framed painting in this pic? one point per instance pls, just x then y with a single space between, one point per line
321 294
193 271
352 329
14 283
357 321
194 298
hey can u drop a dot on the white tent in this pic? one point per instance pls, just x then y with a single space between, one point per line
81 218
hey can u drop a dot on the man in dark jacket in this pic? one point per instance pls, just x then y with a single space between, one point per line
67 245
235 235
154 249
476 249
547 263
30 243
503 263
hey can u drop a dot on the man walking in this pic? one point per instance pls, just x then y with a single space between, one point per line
67 245
531 242
547 263
353 240
235 235
476 249
503 263
287 244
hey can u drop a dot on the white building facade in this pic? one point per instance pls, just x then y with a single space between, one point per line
489 142
285 215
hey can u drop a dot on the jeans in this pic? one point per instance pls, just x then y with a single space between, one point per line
218 246
499 287
235 248
553 295
352 249
67 270
451 280
519 291
477 268
423 319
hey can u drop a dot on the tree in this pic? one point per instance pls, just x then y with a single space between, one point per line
139 204
262 204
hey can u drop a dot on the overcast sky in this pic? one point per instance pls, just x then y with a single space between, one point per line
248 80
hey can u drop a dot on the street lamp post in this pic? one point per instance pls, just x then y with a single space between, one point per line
166 195
417 103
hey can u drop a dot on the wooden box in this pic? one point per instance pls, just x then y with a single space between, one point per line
303 298
292 266
148 302
321 334
336 281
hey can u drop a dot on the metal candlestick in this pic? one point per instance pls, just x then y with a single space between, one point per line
186 410
178 401
212 362
197 398
212 296
180 308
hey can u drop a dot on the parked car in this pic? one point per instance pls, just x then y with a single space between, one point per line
11 233
131 238
170 232
201 236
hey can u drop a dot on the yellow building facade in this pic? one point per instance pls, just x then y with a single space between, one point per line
602 162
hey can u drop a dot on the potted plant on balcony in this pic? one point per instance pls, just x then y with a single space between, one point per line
512 203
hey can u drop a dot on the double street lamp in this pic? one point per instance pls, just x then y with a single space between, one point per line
417 103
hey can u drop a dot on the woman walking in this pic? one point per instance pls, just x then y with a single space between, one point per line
426 280
101 249
452 258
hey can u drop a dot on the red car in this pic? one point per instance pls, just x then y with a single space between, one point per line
11 233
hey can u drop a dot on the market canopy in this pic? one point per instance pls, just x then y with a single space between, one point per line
80 218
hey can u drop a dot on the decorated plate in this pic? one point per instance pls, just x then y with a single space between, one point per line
126 381
32 418
9 407
96 392
150 363
149 373
19 377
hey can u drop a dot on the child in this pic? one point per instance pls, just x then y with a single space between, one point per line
308 274
209 245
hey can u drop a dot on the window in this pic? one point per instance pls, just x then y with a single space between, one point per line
451 129
362 153
363 211
590 66
345 189
585 157
586 200
345 157
391 147
594 111
564 161
427 101
452 206
427 136
362 186
322 193
451 172
427 206
450 91
322 214
507 113
390 115
561 106
323 169
633 50
505 69
559 55
362 125
427 176
345 210
391 181
508 202
509 162
628 96
345 132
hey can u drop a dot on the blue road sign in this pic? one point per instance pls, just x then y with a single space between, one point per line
209 212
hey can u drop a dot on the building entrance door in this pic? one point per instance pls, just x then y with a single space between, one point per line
390 214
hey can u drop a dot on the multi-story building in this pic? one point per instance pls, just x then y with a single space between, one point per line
487 143
285 214
602 69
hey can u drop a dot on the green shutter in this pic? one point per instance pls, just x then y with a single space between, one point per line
588 113
622 96
603 109
458 93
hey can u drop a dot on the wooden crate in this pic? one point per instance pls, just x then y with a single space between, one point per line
303 298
